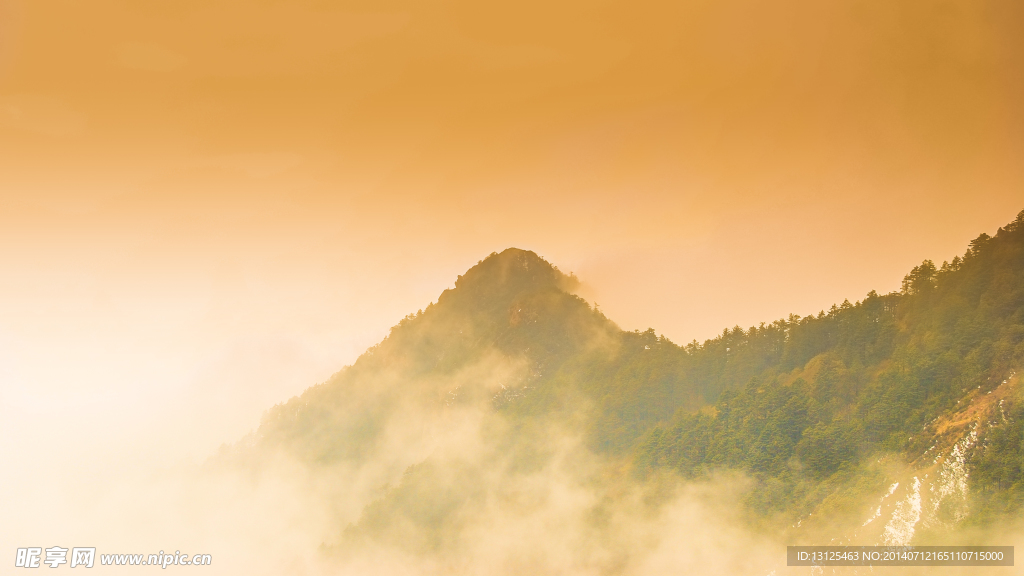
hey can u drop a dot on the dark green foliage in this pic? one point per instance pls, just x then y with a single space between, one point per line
998 465
882 370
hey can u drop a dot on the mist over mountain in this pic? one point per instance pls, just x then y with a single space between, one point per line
511 419
927 374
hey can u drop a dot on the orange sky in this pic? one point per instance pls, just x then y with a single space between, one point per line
205 198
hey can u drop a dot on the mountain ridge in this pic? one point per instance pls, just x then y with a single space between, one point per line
803 405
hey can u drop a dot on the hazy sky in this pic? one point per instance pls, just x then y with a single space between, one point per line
207 206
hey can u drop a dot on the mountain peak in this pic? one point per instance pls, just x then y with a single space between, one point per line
512 271
513 302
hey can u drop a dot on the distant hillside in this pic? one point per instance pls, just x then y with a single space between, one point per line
559 354
911 372
807 406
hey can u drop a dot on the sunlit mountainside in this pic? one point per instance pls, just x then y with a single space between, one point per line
512 403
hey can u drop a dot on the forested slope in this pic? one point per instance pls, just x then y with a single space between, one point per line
870 377
803 405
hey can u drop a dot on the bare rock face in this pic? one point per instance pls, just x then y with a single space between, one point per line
933 494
